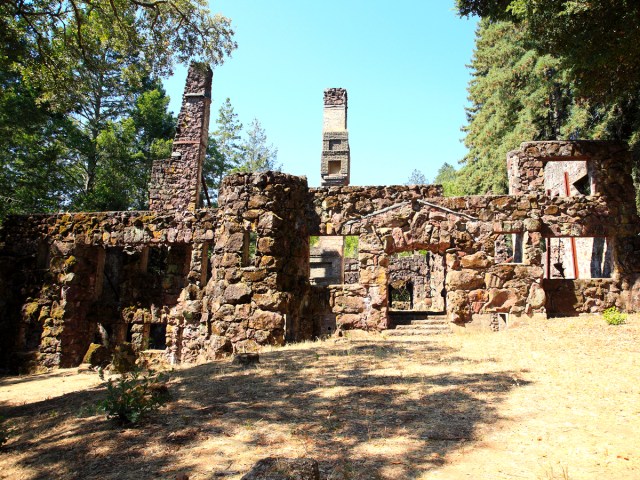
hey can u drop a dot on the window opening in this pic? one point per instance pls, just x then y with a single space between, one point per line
578 257
583 185
249 247
401 295
158 261
205 274
158 336
509 248
129 332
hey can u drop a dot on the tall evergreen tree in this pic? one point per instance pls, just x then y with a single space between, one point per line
416 178
516 95
86 73
224 149
257 155
596 42
519 93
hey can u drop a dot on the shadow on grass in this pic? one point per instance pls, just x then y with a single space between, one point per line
360 417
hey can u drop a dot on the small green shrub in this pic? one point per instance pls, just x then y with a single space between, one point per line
134 395
614 317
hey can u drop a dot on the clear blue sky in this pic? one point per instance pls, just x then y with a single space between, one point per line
403 64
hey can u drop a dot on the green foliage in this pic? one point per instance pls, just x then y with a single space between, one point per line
598 43
76 43
228 151
133 396
82 112
314 240
614 317
351 246
516 95
224 148
256 154
447 176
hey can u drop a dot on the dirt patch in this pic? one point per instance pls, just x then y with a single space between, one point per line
553 399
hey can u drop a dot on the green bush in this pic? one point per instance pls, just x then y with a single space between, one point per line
134 395
614 317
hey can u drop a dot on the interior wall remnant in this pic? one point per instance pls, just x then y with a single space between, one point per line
567 178
424 272
578 257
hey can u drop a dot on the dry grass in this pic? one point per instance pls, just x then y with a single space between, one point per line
557 399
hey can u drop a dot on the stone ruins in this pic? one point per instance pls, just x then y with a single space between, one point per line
279 261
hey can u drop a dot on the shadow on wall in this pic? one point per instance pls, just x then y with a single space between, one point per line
407 423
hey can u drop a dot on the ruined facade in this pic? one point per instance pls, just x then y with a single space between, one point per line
193 284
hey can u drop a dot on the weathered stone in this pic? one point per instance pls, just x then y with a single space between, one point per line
501 300
537 298
237 293
478 260
262 320
464 280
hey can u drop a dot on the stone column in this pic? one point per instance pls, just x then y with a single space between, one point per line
260 262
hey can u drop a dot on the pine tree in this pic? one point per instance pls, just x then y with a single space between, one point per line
416 178
257 155
224 149
516 95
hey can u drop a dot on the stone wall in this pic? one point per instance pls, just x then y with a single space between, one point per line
87 269
199 284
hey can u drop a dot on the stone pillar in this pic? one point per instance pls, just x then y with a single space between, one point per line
336 156
260 262
176 181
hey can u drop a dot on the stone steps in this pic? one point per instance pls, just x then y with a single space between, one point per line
425 325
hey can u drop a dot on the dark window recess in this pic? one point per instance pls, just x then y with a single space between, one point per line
401 295
158 261
158 336
207 253
249 248
129 332
583 185
334 144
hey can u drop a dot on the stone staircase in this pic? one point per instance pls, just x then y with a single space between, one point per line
410 323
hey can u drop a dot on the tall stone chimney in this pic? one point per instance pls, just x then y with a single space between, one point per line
336 156
176 181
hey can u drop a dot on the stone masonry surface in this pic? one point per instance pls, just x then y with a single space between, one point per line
195 284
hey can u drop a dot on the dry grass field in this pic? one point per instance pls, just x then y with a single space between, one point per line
555 399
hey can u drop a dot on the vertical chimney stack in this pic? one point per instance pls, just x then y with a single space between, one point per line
176 181
336 156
